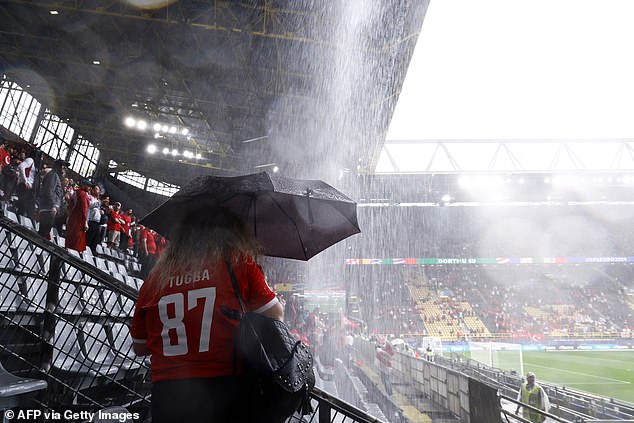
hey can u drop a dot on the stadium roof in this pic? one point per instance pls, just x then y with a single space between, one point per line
309 86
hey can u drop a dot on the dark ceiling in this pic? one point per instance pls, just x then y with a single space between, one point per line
312 84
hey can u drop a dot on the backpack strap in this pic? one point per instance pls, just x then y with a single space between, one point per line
234 282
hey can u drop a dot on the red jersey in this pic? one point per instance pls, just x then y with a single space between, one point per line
113 224
183 326
5 158
161 243
150 241
126 225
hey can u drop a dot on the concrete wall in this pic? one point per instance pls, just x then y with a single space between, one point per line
445 387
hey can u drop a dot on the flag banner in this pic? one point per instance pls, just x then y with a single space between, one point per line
494 261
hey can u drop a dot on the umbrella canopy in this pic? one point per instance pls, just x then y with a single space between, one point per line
290 218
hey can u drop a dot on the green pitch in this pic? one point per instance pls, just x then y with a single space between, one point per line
609 374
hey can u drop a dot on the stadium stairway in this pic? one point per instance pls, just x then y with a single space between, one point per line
64 320
410 411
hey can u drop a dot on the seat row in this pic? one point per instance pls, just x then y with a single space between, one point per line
23 286
94 349
76 299
106 253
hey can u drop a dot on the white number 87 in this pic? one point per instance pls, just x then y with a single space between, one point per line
176 322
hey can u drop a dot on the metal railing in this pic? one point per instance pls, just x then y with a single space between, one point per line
66 321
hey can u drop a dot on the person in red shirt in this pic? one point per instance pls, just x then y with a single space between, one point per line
77 223
147 251
178 320
5 156
161 243
115 221
125 230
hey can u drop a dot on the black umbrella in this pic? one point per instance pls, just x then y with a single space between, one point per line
290 218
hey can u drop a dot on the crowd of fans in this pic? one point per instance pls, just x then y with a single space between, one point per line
519 302
80 211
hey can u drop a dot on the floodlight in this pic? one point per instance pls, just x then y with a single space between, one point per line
185 131
165 128
166 150
174 152
141 125
151 148
173 130
275 169
157 127
199 156
129 121
188 154
96 62
54 12
446 198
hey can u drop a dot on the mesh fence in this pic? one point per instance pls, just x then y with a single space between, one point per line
67 322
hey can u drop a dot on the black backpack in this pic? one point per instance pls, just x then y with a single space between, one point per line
282 365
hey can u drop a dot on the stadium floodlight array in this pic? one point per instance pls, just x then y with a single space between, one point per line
499 355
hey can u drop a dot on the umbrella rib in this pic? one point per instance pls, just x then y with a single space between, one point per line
346 217
294 224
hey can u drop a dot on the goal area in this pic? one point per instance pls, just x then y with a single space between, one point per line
500 355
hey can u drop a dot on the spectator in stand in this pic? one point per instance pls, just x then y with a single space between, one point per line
134 236
10 177
94 219
125 230
103 223
147 251
5 156
62 214
51 196
193 374
291 312
161 243
26 186
38 161
77 223
115 221
310 327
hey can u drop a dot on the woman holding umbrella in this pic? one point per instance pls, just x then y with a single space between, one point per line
178 320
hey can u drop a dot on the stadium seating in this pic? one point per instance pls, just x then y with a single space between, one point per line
13 388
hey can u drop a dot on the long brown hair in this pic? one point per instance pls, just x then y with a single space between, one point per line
202 235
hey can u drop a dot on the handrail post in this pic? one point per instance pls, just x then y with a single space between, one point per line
50 319
324 412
